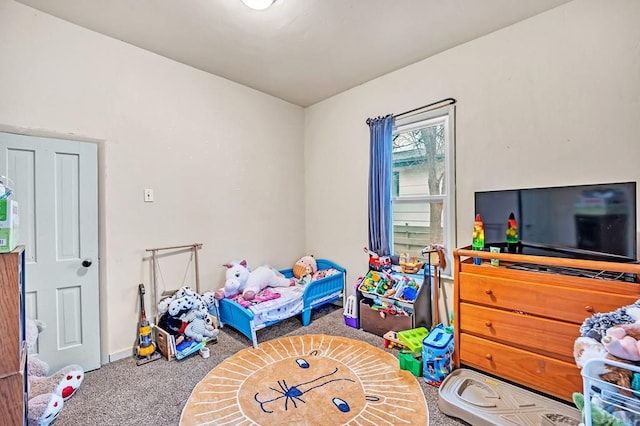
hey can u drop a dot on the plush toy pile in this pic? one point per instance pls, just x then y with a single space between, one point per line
186 314
615 336
47 393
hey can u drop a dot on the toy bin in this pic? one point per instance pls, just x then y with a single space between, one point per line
377 322
437 354
351 312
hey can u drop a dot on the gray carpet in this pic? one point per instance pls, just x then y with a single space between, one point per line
122 393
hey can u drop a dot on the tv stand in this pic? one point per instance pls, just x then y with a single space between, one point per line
574 272
521 324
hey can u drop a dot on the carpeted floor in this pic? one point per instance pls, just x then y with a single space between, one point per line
310 380
122 393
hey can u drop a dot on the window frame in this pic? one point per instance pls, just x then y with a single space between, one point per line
445 115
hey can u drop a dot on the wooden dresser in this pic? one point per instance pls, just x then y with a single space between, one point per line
13 350
521 325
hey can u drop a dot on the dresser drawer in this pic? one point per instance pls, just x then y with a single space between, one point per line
550 301
553 338
548 375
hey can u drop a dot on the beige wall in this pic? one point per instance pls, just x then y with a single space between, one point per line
553 100
225 161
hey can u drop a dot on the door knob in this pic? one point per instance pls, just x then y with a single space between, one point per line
87 262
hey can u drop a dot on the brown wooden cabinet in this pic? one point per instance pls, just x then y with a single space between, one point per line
13 350
521 325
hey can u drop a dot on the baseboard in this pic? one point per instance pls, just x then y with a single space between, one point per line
116 356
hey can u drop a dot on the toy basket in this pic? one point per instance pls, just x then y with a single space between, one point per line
351 312
614 400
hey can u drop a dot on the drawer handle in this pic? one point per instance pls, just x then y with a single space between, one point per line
488 291
488 324
489 357
588 308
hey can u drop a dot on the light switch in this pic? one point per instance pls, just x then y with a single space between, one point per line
148 195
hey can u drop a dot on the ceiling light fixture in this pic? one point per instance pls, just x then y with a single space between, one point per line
258 4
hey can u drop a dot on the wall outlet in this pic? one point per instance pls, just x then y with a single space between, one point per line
148 195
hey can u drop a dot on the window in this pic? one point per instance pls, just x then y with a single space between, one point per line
423 209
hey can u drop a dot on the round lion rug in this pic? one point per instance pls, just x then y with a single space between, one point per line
307 380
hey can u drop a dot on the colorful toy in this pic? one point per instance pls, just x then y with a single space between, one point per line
413 338
391 340
410 264
512 233
411 362
477 238
376 262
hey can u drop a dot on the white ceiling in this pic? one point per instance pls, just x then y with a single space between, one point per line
302 51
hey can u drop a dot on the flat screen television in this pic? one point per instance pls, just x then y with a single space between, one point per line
595 222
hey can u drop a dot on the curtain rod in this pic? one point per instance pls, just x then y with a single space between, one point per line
450 101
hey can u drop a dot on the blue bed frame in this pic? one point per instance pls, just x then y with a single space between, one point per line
231 313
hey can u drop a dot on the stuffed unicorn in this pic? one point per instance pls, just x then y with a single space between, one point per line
241 280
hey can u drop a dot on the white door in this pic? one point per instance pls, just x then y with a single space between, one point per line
55 182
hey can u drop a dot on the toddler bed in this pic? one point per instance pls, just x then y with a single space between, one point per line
292 301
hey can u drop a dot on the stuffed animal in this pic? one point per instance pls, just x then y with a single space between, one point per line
231 288
622 340
305 266
200 329
597 325
43 409
187 313
250 282
236 277
262 277
599 416
47 394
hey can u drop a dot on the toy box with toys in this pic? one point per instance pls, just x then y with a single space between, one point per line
394 301
184 323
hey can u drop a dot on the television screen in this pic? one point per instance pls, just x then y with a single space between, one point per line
587 221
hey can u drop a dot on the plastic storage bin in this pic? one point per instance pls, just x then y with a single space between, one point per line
437 351
351 312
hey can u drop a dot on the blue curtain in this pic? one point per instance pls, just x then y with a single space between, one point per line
380 184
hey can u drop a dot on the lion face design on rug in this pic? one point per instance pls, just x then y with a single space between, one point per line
311 380
300 390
